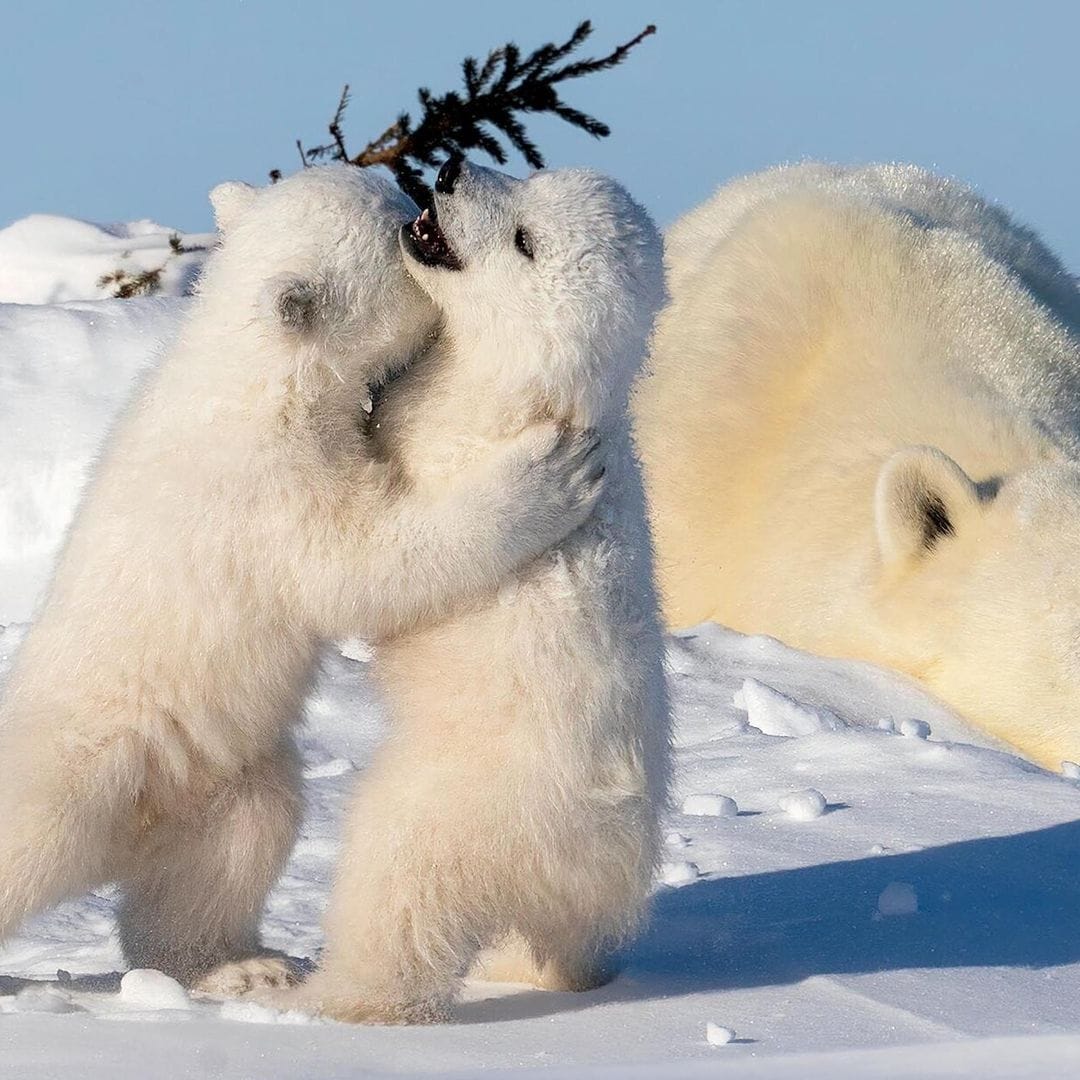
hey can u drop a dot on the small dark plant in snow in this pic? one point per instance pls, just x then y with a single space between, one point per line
127 283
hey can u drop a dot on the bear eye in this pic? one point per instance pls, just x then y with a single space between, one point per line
524 243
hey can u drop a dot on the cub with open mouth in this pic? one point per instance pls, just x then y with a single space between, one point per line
425 242
236 520
535 725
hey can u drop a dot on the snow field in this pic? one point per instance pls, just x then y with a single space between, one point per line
856 883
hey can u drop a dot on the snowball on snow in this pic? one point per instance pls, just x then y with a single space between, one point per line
915 729
709 806
716 1035
679 873
676 840
1070 770
803 805
152 989
898 898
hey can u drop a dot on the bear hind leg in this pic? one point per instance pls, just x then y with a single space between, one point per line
569 966
66 820
195 889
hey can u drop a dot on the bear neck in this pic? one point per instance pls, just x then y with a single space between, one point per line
498 361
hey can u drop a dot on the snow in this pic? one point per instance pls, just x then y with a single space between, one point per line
710 806
45 259
774 713
715 1035
145 988
43 999
915 729
803 805
927 924
64 373
679 872
898 898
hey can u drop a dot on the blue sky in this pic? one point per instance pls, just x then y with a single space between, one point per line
116 110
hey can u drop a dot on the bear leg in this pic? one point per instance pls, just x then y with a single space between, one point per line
67 818
195 887
550 965
408 908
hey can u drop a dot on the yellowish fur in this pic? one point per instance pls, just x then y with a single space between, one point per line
822 322
516 803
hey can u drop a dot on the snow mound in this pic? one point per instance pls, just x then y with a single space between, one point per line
803 805
145 988
679 873
710 806
43 999
915 729
774 713
715 1035
45 259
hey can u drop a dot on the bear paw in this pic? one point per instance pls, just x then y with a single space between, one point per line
353 1006
359 1011
241 977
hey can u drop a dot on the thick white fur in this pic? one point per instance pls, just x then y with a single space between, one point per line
236 520
516 802
847 354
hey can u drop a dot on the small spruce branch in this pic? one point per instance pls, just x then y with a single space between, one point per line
126 284
483 116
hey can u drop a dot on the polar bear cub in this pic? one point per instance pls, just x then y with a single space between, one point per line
236 520
516 804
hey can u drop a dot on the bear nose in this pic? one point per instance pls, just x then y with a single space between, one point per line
448 175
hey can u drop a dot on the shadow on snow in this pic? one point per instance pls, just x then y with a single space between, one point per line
1004 901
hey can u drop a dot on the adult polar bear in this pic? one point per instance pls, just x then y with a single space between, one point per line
862 435
517 802
236 520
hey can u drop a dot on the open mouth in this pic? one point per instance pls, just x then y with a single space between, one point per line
424 240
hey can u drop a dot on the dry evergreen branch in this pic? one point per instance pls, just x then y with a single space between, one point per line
144 282
482 116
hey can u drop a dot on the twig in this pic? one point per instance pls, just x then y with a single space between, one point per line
481 117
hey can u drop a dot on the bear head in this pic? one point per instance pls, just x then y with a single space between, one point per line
556 279
979 584
313 263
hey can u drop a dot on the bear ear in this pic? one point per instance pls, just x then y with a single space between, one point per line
229 200
296 303
923 498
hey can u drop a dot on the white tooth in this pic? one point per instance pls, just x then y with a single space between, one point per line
425 215
367 405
